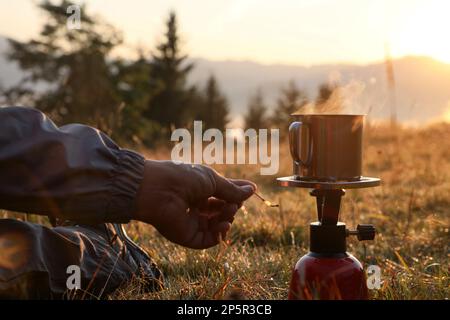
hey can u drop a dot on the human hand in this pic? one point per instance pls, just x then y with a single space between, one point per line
191 205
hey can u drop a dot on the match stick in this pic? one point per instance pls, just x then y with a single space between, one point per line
266 202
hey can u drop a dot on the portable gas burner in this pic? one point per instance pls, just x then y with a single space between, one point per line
327 151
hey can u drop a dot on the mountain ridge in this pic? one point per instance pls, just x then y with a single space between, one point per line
422 83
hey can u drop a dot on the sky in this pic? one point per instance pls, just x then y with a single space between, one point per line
304 32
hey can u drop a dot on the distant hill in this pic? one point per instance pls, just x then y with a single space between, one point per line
422 84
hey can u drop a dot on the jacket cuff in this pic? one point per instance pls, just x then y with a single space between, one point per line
125 181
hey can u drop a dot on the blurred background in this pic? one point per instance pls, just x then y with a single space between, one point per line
137 69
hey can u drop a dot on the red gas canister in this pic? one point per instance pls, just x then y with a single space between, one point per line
324 277
328 272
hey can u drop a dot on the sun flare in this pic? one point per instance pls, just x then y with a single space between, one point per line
446 116
424 31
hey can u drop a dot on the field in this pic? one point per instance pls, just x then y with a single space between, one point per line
410 210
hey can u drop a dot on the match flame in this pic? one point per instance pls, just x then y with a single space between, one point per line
266 202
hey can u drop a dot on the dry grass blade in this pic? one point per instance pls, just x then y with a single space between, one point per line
402 261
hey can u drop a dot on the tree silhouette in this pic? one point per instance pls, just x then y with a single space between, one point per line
71 67
291 100
256 115
168 80
213 108
328 99
132 81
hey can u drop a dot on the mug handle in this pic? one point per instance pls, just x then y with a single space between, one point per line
294 143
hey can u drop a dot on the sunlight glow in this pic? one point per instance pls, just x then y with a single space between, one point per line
446 116
424 31
303 32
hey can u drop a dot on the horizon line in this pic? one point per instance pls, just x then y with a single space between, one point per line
288 64
344 63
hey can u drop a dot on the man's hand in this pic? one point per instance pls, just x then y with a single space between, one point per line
191 205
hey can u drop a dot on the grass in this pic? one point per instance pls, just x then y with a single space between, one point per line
410 210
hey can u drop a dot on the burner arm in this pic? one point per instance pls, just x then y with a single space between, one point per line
328 205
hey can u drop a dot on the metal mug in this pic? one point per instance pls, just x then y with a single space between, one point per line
327 147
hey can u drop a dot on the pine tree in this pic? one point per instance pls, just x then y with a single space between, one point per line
168 80
72 69
214 110
132 84
291 100
328 99
256 114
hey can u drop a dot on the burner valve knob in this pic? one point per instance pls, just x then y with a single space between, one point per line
363 232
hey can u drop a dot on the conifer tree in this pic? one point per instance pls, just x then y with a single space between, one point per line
71 69
256 115
214 110
291 100
169 70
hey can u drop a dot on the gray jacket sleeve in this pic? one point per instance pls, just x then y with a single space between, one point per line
73 172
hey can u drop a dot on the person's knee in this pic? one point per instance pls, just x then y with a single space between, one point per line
21 275
18 243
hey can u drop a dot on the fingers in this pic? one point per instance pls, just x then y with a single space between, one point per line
212 205
233 191
213 225
222 230
228 212
242 182
219 209
218 232
211 237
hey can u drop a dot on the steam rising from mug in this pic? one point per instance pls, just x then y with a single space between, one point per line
352 97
